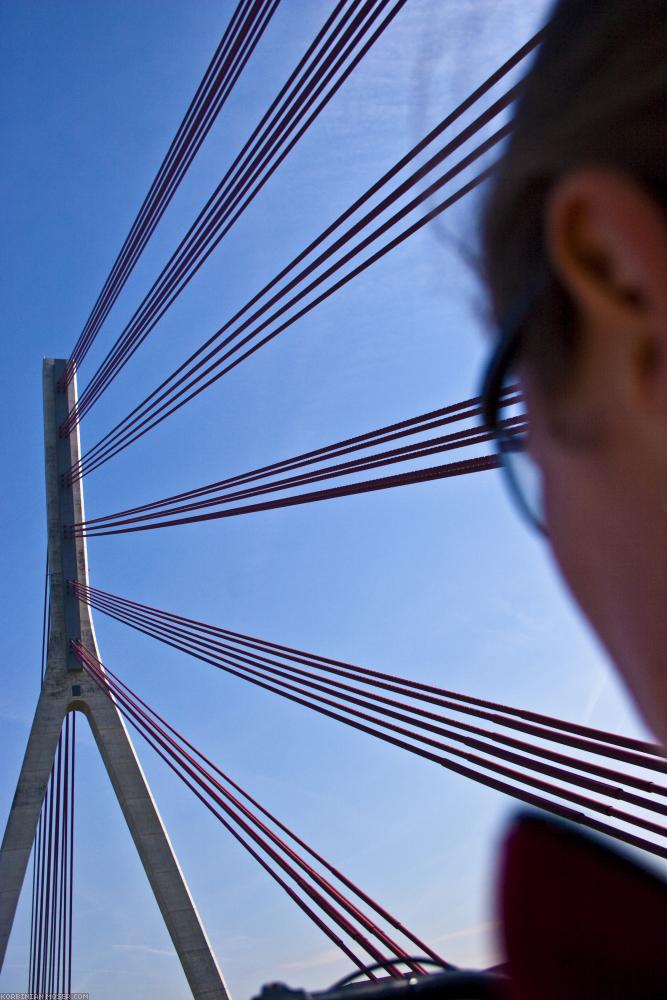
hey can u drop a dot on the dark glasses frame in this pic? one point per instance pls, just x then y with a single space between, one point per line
509 444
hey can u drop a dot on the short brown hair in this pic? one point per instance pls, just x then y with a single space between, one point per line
596 95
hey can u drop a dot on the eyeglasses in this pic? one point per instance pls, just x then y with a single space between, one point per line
499 390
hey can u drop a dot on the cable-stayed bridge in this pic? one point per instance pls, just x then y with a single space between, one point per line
602 780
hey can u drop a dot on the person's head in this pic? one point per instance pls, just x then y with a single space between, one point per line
575 248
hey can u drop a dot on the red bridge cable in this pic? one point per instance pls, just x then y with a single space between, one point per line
55 872
560 759
418 689
573 796
185 252
483 89
47 901
49 970
119 348
499 785
41 893
70 886
394 949
58 988
603 788
414 425
116 358
367 486
475 127
33 908
175 398
46 916
171 173
135 245
174 155
55 801
330 933
423 947
166 293
204 496
158 733
246 26
162 402
411 689
579 799
64 862
471 129
202 228
432 446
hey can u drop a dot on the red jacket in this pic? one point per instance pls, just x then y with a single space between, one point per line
579 920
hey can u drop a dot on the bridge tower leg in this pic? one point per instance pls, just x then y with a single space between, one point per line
67 688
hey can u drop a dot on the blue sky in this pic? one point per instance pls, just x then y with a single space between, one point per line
438 581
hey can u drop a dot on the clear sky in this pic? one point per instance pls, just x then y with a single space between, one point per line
438 581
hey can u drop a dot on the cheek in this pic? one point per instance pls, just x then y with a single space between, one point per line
571 514
608 532
583 524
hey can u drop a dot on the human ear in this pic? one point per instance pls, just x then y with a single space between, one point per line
606 238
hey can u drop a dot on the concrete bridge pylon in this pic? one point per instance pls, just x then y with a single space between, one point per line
67 688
